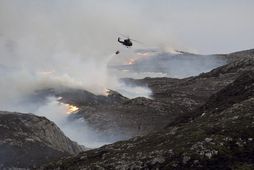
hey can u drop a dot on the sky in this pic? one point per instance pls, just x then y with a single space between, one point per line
71 42
217 26
203 26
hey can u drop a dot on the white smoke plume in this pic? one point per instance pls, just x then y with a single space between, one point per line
76 129
52 43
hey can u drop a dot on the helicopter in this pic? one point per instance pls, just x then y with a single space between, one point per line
127 42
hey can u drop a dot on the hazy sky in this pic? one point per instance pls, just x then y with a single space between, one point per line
211 26
71 41
201 25
74 39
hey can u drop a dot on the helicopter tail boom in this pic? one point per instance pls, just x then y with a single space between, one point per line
119 40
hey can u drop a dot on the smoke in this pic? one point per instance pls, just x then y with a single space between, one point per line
57 43
70 42
76 129
174 65
62 43
54 44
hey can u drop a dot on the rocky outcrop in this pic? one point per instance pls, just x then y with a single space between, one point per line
85 98
27 140
133 117
219 136
212 126
171 99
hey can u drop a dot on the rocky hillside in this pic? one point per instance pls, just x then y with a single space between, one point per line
172 98
202 122
27 140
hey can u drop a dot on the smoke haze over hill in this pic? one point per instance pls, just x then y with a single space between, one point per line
61 43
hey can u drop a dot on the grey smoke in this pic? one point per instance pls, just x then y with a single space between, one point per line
48 44
52 43
156 63
76 129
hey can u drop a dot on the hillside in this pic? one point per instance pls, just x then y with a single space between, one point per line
213 131
27 140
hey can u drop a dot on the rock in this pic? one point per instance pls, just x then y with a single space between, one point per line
27 140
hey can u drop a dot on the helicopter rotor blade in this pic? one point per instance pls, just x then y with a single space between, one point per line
124 35
136 41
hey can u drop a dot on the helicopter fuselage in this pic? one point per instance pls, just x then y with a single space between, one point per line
126 42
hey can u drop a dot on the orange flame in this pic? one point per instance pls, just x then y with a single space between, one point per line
139 55
71 108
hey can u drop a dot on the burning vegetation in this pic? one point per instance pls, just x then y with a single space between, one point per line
71 108
138 56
